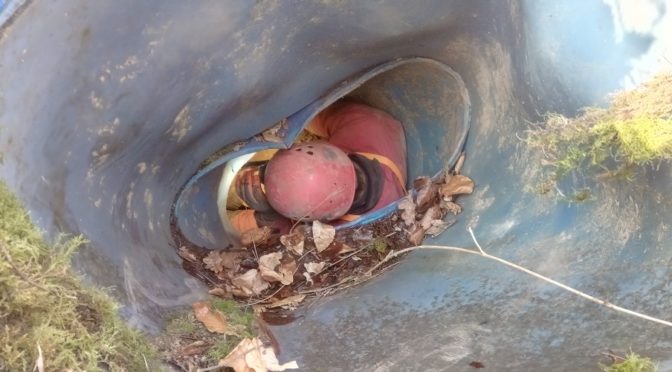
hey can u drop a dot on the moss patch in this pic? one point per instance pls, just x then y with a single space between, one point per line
42 302
631 363
188 344
614 142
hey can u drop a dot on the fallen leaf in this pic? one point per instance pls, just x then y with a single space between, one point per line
219 261
284 272
257 236
433 213
456 185
294 242
186 254
323 235
291 301
408 210
425 195
416 236
195 348
438 226
451 207
249 284
309 279
219 292
213 320
421 182
252 355
335 249
314 267
272 134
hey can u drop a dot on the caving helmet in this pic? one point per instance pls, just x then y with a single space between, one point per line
310 181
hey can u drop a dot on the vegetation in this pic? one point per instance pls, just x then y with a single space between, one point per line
631 363
634 131
44 306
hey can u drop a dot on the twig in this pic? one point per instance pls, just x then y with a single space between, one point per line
146 364
211 368
8 258
527 271
39 362
471 232
265 299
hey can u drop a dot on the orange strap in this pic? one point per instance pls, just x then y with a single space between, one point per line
384 160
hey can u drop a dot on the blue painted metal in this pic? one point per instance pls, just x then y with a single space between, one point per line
107 110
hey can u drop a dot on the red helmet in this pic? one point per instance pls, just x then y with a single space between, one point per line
310 181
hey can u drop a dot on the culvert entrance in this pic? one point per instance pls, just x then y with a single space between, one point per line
273 260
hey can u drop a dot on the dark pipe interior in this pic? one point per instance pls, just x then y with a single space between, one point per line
108 108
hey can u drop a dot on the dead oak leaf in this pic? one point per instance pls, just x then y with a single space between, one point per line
291 301
273 269
425 195
407 206
249 284
252 355
323 235
294 242
451 207
456 185
433 213
213 320
416 236
313 268
258 235
218 261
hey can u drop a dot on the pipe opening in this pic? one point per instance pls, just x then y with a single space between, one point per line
428 98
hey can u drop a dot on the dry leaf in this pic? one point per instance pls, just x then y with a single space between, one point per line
433 213
323 235
219 292
335 249
438 227
252 355
213 320
272 134
314 267
294 242
408 207
425 194
257 236
416 236
291 301
186 254
456 185
285 270
451 207
249 284
309 279
194 348
219 261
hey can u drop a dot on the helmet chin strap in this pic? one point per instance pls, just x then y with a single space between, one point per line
369 187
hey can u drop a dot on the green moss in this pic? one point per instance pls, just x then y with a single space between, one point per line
632 363
42 302
634 131
182 324
239 318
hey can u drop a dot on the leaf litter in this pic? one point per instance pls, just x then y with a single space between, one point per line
276 273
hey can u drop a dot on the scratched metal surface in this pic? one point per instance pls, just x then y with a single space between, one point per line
107 108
